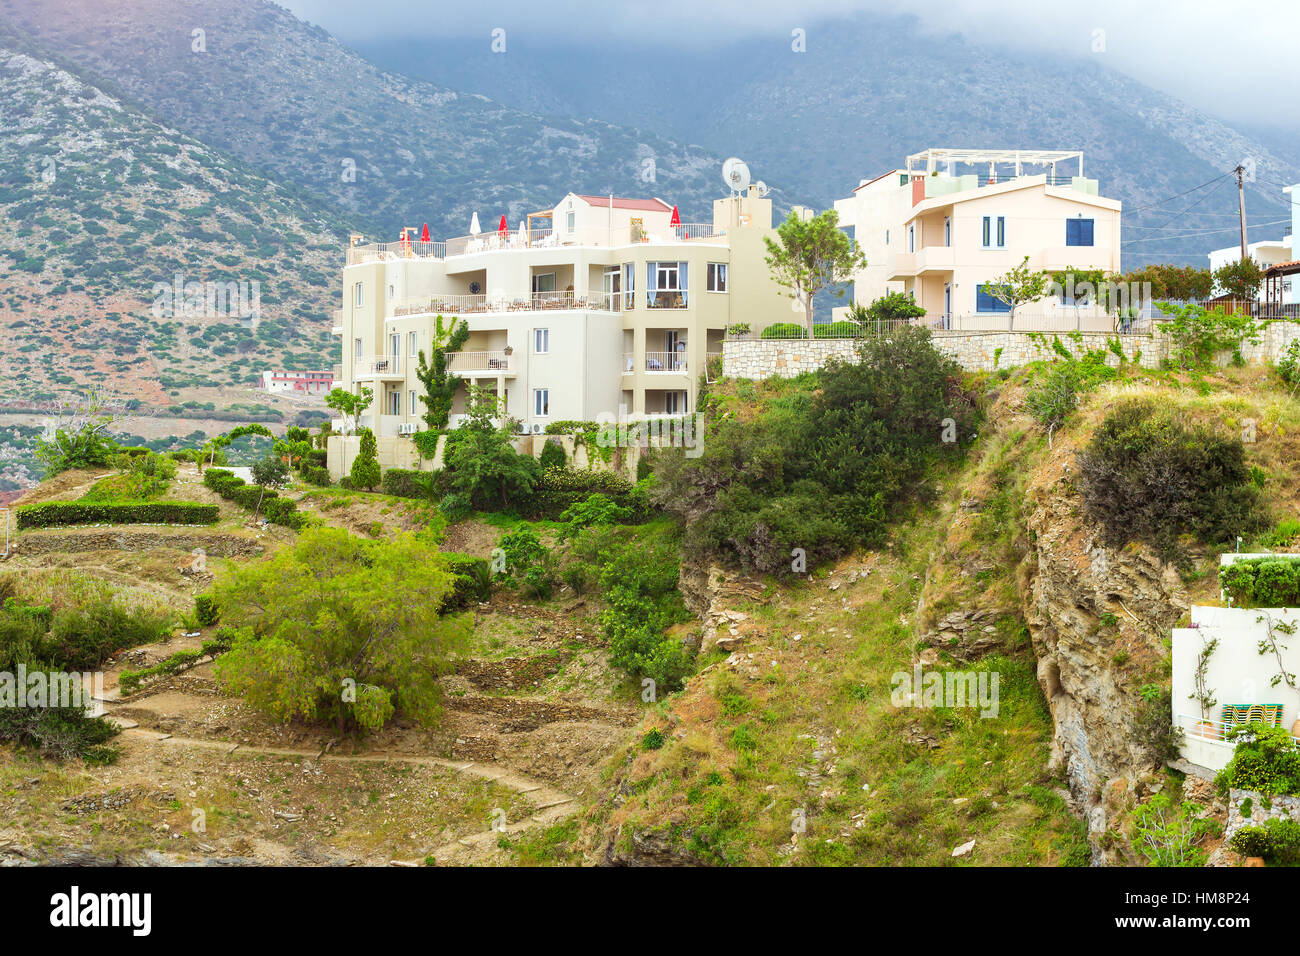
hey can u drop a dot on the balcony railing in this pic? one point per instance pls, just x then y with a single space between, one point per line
378 366
665 361
479 304
666 299
1208 729
480 361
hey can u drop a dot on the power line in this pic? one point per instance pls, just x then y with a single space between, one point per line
1208 232
1183 193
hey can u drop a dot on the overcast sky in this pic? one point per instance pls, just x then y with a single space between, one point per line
1230 57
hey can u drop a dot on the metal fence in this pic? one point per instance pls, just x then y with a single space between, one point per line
998 322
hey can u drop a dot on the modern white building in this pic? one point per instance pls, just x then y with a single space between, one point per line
597 306
311 383
1268 252
952 220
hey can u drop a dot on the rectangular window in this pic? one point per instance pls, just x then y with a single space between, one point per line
886 237
947 232
571 220
541 341
1078 232
541 402
666 285
629 285
911 238
544 282
987 303
357 295
357 355
717 277
394 402
414 350
410 402
1002 232
987 232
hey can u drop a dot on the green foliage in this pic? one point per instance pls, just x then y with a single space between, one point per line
810 255
784 330
343 629
1153 725
1170 836
51 513
552 455
821 472
1149 476
596 509
473 581
439 386
131 680
1056 392
1172 282
482 463
317 476
1199 334
85 446
1277 841
455 507
1262 582
654 739
1019 286
892 307
206 610
529 563
558 489
277 510
350 406
1288 366
365 467
1240 278
269 471
1265 760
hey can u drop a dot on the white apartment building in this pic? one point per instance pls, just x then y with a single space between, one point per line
953 220
597 306
284 380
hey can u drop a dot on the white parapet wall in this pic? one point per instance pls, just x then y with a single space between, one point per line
982 351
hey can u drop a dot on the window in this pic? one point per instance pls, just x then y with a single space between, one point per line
717 277
987 303
358 350
989 235
544 282
629 285
541 402
675 403
911 238
947 231
392 293
412 338
886 237
410 402
394 402
358 297
1078 232
666 285
541 341
571 220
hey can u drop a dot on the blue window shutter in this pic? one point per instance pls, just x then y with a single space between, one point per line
1085 232
1071 232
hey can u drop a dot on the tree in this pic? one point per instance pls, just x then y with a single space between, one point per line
343 629
268 471
351 407
439 387
1171 282
811 255
886 311
78 437
1017 287
365 470
1240 279
481 460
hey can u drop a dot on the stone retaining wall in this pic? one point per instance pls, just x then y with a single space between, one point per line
1261 808
981 351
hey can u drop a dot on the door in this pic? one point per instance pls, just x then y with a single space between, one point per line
394 351
947 305
613 289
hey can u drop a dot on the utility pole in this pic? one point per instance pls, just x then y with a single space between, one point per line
1241 208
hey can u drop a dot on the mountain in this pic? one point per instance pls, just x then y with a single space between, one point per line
100 206
258 83
871 89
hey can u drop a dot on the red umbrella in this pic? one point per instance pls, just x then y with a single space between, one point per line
503 228
424 233
676 220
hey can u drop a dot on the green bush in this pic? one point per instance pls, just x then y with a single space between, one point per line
552 455
1147 476
1262 582
1277 841
401 483
205 609
557 489
365 467
473 581
455 507
784 330
843 329
596 509
317 476
529 563
1265 760
52 513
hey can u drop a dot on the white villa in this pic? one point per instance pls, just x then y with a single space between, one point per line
597 306
951 220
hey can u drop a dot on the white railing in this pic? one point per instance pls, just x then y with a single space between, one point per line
478 304
490 360
377 366
1213 730
392 251
629 362
665 361
666 299
542 238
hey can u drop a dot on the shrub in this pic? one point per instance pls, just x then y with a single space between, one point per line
473 581
1147 476
784 330
365 467
1262 582
1056 393
1265 760
205 609
1277 841
552 455
455 507
1168 835
529 563
401 483
1288 365
317 476
843 329
596 509
51 513
559 488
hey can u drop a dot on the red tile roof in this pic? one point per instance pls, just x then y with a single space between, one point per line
645 205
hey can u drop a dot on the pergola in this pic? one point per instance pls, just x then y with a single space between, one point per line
548 214
928 159
1275 277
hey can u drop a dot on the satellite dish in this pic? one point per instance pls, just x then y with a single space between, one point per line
763 188
735 174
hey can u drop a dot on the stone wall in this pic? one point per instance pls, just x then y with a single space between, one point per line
980 351
1261 808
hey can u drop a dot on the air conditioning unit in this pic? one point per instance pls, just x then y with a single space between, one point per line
406 428
537 429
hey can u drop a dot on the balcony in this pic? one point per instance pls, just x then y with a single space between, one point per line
927 259
378 367
665 362
666 299
337 317
546 238
496 362
485 304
